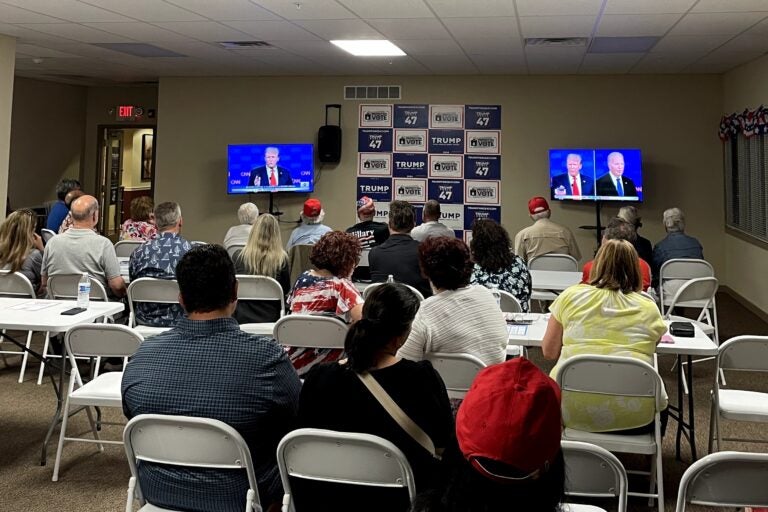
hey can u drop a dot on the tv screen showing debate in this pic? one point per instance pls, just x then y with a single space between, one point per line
270 168
581 174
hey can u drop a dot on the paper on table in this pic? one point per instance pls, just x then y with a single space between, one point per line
517 330
33 305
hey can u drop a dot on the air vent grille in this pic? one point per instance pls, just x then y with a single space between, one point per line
556 41
372 92
246 45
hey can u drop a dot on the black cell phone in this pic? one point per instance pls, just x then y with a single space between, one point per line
73 311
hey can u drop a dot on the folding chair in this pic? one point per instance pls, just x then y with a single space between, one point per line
94 340
260 288
195 243
674 272
372 286
64 287
46 234
457 371
745 354
16 284
557 262
591 471
189 442
150 290
509 303
725 479
124 248
232 249
630 379
358 460
312 331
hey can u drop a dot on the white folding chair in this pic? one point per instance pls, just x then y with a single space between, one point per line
152 290
725 479
16 284
195 243
509 303
124 248
372 286
64 287
592 471
189 442
364 258
561 262
310 331
358 459
743 354
457 371
624 377
46 234
673 273
94 340
232 249
260 288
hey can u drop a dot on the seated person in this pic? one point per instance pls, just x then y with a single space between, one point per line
641 244
141 225
21 249
238 235
158 258
458 317
67 222
59 209
431 225
327 290
369 232
207 367
495 263
607 316
311 228
619 229
398 256
334 397
263 255
508 429
675 245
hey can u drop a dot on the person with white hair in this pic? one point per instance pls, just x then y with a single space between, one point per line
311 228
642 245
676 244
238 235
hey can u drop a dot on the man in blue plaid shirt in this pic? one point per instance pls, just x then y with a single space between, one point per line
207 367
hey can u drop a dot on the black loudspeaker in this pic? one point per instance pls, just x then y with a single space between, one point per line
329 143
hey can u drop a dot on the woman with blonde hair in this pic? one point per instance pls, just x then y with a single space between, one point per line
263 255
21 249
606 316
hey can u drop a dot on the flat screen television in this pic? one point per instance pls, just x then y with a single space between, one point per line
253 168
611 174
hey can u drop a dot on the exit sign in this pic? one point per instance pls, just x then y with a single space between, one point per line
128 113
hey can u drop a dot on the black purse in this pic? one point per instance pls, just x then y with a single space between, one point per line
682 329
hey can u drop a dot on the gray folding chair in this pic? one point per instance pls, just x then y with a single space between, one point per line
124 248
232 249
260 288
673 273
150 290
372 286
188 442
358 459
743 354
725 479
46 234
509 303
16 285
457 371
561 262
310 331
592 471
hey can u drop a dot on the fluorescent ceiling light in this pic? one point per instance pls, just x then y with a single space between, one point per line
369 47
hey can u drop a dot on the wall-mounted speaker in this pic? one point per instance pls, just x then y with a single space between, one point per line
329 143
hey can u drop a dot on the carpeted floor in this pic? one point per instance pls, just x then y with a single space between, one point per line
94 482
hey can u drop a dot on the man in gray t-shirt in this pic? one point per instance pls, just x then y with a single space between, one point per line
80 250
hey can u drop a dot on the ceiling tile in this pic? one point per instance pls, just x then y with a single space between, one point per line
429 46
759 29
76 32
553 67
448 64
400 65
310 10
500 64
311 48
559 60
721 23
41 51
241 10
689 44
664 63
473 28
11 14
730 6
69 10
605 63
558 7
621 25
647 6
341 29
272 30
722 61
210 31
372 9
468 9
746 43
139 31
422 28
147 10
26 35
557 26
492 46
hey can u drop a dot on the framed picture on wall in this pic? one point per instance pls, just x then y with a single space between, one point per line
146 156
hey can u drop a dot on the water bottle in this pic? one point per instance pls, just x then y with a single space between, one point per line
496 294
83 291
390 278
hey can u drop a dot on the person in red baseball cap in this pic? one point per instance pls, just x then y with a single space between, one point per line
508 429
544 236
311 228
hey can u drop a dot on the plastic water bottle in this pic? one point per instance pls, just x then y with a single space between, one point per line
390 278
496 294
84 291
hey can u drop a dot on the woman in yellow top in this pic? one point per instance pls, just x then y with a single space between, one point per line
607 316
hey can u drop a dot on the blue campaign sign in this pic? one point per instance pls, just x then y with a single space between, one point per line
378 189
446 141
409 165
411 116
446 191
482 117
372 140
481 167
472 213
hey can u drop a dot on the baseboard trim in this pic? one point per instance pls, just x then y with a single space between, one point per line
745 302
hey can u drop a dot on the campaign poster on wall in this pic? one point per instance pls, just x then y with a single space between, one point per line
417 152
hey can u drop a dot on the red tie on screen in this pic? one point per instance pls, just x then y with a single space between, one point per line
272 178
576 191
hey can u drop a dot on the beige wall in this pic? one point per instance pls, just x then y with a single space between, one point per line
746 263
7 67
673 119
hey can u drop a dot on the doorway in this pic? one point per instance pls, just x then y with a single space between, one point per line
125 171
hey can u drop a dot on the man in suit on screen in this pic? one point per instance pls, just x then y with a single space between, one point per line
572 182
270 175
614 183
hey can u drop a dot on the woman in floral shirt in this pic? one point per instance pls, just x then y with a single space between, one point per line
141 225
496 264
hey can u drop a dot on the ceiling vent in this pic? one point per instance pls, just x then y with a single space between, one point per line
246 45
372 92
556 41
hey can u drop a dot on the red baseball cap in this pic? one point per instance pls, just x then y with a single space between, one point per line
537 205
511 415
312 208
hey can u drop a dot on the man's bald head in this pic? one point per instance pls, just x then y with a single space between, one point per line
83 210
